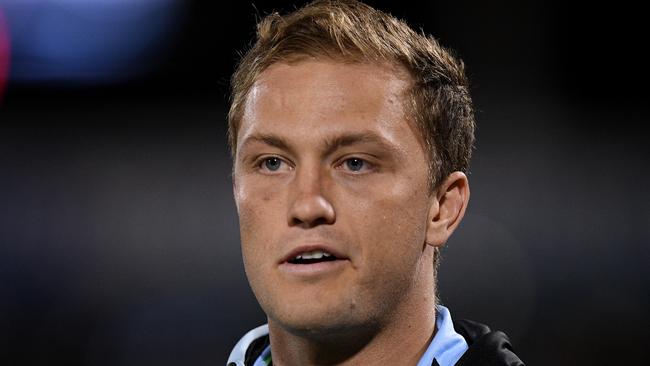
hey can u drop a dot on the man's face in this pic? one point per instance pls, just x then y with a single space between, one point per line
328 167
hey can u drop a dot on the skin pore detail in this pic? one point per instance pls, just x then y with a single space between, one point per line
327 163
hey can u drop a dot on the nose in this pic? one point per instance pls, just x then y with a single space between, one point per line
309 206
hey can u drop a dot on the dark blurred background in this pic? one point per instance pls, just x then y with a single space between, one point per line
118 233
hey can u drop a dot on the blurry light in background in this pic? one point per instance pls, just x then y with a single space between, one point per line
4 54
89 41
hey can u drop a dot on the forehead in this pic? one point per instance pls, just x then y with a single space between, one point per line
314 98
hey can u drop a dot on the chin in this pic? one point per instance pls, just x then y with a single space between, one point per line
320 322
321 330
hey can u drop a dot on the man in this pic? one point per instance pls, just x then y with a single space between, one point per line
351 137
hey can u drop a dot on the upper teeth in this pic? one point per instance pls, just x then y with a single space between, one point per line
316 254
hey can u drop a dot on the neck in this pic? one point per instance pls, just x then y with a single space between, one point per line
401 339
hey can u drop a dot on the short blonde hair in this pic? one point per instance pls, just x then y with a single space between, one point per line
438 102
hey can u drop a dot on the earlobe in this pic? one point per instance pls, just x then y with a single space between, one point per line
447 208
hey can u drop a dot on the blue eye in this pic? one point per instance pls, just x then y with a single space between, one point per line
272 164
355 164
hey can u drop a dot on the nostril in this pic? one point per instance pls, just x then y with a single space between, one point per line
310 223
310 210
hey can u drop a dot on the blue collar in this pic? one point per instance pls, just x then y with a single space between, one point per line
447 346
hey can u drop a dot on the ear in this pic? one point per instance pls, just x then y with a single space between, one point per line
447 208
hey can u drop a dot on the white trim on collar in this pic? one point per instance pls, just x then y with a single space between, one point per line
238 353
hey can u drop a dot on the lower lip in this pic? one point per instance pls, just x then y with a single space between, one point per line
314 269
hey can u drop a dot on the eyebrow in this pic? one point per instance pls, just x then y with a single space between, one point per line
267 139
338 142
331 144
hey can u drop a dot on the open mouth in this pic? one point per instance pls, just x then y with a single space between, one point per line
316 256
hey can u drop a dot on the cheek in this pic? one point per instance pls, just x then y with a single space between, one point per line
250 223
392 240
254 200
261 224
261 218
395 226
252 234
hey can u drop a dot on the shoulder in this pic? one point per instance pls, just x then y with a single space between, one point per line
486 347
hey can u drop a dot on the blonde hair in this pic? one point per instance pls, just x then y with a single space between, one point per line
438 102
